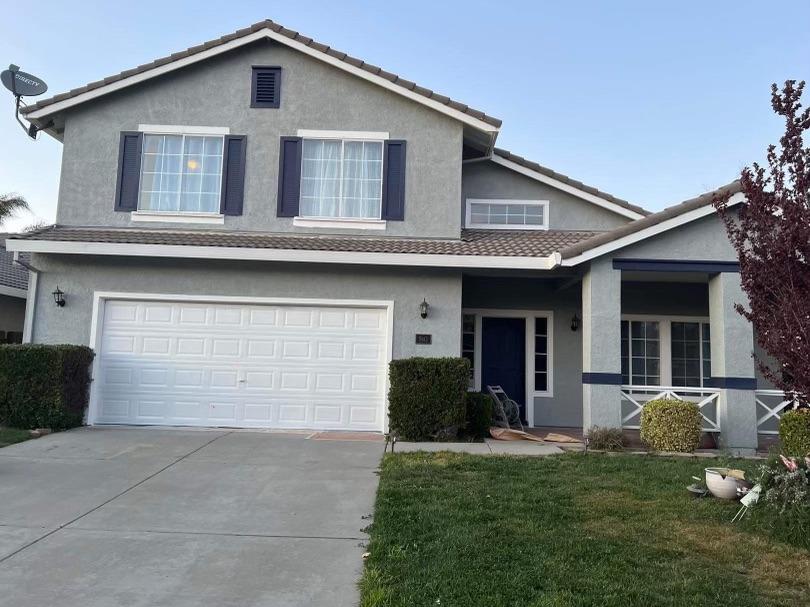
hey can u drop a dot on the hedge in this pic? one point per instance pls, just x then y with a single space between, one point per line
427 397
794 432
671 425
44 386
479 414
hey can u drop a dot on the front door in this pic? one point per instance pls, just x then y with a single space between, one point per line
503 357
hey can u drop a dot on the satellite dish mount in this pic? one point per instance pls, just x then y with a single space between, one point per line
22 85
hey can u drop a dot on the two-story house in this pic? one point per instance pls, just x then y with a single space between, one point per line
250 229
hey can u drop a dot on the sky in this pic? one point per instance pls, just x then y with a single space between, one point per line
652 102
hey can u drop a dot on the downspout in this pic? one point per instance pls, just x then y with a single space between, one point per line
31 299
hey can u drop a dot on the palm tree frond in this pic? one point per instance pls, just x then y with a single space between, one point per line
10 204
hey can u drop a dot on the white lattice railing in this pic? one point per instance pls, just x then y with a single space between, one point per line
635 397
771 403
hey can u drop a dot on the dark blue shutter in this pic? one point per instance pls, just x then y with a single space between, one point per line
289 176
393 198
233 175
129 171
265 90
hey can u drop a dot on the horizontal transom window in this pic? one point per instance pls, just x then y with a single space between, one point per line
507 214
341 178
181 173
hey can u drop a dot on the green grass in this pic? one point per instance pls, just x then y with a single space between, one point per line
9 436
600 530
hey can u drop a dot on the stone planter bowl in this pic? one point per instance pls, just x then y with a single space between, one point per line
720 485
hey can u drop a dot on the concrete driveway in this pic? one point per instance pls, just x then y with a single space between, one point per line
131 517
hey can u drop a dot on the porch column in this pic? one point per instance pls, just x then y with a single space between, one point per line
601 346
733 367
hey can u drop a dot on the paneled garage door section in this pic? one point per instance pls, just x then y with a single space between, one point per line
251 366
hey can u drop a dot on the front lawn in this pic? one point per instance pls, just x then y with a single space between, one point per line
9 436
462 530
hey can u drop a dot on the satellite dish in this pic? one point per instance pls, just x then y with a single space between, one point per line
22 84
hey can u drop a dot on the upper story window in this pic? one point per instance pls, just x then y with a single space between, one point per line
507 214
341 178
181 173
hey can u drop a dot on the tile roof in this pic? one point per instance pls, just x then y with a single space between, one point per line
597 240
529 164
287 33
497 243
11 274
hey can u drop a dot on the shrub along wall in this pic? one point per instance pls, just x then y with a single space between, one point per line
43 386
427 397
479 414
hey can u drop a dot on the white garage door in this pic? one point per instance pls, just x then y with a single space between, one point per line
207 364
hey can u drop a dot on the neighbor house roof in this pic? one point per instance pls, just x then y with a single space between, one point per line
652 225
261 30
12 276
564 180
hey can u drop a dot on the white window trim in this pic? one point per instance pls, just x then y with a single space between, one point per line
665 340
177 129
528 316
338 223
468 222
177 217
356 135
182 216
369 223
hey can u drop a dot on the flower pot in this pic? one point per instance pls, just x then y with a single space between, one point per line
720 484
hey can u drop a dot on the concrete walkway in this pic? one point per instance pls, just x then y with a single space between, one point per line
148 517
488 447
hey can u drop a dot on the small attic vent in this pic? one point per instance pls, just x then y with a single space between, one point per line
266 87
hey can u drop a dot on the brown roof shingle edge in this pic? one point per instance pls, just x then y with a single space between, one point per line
292 35
485 243
530 164
650 221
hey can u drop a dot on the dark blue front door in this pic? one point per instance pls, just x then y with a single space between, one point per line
503 357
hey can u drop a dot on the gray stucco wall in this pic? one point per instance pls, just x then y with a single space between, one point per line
12 313
566 212
217 93
565 407
80 277
704 239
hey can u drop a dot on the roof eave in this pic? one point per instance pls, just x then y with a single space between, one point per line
484 123
650 226
565 184
32 245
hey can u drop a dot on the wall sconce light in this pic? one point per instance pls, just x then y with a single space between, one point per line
575 322
59 297
424 307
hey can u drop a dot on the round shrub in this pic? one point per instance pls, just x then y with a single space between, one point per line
427 396
671 425
794 431
479 414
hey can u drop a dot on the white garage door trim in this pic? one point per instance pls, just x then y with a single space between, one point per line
101 297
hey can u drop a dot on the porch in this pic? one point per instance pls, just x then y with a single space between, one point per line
590 348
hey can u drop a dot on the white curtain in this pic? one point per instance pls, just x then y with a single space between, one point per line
341 179
320 178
